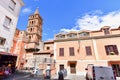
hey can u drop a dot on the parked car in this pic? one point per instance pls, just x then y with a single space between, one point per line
99 73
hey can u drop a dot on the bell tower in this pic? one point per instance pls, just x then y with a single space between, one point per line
34 30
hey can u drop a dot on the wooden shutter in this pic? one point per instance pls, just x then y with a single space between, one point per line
61 52
115 49
106 49
71 51
88 50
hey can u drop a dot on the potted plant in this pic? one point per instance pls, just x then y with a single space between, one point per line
112 53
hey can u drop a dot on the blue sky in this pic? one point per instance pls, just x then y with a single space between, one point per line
71 15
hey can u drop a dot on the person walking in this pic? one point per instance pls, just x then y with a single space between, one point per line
60 75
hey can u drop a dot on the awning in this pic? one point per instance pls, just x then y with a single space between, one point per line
6 53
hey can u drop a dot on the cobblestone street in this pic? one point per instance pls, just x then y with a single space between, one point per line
26 76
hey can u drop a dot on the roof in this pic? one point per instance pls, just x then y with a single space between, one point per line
36 11
46 52
50 41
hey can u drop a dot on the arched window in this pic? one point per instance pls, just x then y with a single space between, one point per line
106 31
83 34
72 35
29 37
31 30
32 22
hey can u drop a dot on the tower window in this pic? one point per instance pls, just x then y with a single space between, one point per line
48 48
31 30
32 22
29 37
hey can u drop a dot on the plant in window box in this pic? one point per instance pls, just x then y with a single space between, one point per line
112 53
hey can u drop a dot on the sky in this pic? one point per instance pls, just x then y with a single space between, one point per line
71 15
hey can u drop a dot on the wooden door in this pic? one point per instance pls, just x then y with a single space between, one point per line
73 68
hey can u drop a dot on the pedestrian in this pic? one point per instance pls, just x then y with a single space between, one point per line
6 72
35 72
60 75
44 74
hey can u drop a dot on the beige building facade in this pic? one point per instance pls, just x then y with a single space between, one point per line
9 14
75 50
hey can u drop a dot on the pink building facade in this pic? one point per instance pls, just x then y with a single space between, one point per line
75 50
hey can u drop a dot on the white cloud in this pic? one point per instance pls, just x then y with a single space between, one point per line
95 20
26 10
67 30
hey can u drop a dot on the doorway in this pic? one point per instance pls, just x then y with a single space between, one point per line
116 68
73 68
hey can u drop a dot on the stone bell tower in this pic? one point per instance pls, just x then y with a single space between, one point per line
33 38
34 31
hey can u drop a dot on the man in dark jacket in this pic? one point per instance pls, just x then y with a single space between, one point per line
60 75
